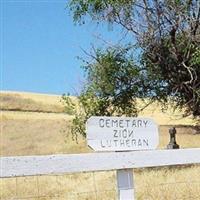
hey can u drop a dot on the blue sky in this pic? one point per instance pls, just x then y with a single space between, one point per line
39 46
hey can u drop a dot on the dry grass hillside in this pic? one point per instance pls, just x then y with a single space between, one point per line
24 101
34 124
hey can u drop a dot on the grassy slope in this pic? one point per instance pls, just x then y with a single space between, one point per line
21 101
32 102
28 133
33 132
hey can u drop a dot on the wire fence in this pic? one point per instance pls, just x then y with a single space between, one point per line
171 191
102 186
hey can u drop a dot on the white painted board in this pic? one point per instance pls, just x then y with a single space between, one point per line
125 184
121 133
71 163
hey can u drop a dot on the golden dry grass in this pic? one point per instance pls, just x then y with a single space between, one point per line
38 97
167 116
168 183
24 101
19 101
16 115
37 133
48 136
31 133
28 133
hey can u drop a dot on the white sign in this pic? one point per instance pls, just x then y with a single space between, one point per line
121 133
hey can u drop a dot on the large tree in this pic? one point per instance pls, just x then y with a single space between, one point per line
167 35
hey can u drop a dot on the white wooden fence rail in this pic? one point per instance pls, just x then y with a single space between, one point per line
123 162
68 163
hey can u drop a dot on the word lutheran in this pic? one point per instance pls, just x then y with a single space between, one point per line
121 134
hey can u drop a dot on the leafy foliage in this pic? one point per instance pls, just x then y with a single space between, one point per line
113 84
174 76
168 38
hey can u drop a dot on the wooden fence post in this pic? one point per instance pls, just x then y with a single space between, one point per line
125 184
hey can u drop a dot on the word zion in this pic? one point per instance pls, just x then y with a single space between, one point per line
123 132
